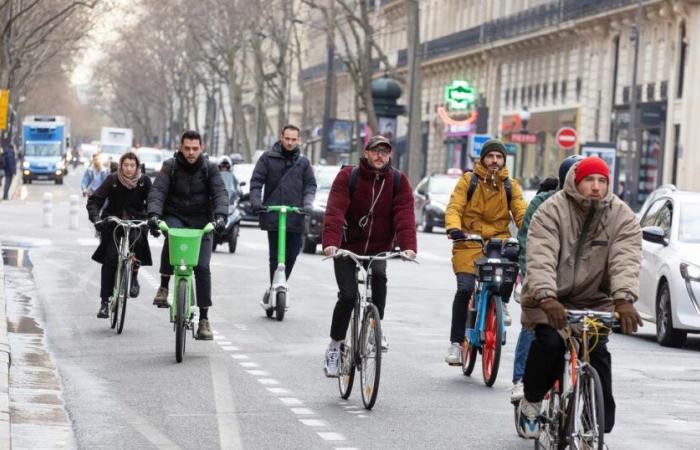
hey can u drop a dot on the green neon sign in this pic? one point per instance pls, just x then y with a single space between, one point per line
459 95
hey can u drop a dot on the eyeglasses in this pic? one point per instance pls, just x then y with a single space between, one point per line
381 150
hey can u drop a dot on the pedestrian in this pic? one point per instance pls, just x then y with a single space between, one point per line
124 195
9 158
189 193
483 202
93 177
288 179
584 252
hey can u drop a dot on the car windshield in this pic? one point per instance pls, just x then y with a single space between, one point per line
689 229
324 179
42 149
150 157
114 149
442 185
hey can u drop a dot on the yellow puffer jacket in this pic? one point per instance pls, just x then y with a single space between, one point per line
486 214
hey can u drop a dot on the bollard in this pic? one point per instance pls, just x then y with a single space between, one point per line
74 224
48 210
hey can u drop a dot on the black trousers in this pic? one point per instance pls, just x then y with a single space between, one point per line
6 189
202 273
346 277
293 246
109 267
545 365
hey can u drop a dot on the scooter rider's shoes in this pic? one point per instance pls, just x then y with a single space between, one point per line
135 287
204 331
330 367
103 313
161 299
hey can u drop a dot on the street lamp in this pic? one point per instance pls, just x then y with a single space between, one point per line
524 119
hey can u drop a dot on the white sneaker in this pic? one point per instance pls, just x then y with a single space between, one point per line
528 426
454 354
506 315
518 392
332 358
385 344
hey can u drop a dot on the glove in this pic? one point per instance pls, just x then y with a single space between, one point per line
556 314
628 316
258 208
153 225
408 255
330 251
219 224
308 208
456 234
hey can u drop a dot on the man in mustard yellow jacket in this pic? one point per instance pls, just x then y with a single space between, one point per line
486 211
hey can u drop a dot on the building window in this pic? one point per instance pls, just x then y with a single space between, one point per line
563 90
529 94
650 92
514 97
638 93
676 152
625 95
663 90
537 93
507 97
681 62
579 86
555 91
522 95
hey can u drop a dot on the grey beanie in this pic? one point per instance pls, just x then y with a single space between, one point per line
492 145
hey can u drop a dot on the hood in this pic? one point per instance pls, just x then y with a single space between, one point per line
582 202
485 175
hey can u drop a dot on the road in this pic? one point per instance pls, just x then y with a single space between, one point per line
260 383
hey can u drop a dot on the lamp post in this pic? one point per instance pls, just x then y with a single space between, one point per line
524 119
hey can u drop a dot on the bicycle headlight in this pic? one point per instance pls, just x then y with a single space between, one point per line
498 274
690 272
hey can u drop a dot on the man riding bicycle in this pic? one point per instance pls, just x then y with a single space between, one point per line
584 252
189 193
482 203
368 207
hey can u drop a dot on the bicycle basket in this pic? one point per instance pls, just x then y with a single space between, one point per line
183 245
497 271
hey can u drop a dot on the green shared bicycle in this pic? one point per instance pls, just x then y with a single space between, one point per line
183 245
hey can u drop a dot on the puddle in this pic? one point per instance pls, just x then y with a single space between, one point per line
16 257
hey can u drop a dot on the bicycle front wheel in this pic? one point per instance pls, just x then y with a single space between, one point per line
123 296
370 356
346 377
114 300
587 424
493 339
550 422
180 320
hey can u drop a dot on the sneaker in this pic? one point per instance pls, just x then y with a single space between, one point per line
161 298
528 426
454 354
332 358
135 288
204 331
385 344
518 392
506 315
103 313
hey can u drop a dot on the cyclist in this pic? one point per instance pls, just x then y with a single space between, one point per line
93 177
124 194
482 203
288 179
365 219
188 193
584 252
548 187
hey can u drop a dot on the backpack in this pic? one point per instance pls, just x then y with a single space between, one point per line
474 182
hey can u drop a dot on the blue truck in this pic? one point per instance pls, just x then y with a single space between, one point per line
46 143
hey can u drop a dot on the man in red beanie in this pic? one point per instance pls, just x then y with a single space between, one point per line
583 252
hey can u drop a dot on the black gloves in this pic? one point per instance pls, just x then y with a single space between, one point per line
555 311
220 223
456 234
308 208
153 225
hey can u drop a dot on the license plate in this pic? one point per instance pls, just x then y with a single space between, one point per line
42 177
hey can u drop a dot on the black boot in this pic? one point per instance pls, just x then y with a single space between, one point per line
135 288
103 313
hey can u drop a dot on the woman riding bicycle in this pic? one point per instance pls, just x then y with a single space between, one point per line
124 194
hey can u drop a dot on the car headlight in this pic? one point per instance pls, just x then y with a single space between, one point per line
690 272
25 165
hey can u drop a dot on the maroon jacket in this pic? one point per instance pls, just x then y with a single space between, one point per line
393 215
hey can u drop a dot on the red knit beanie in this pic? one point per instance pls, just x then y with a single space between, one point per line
591 165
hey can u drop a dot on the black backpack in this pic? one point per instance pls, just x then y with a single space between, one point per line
473 183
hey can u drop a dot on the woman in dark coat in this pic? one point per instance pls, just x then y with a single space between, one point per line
124 194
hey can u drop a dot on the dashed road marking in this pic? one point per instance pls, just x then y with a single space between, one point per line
258 373
291 401
330 436
313 422
230 348
248 364
239 356
279 391
224 342
268 381
302 411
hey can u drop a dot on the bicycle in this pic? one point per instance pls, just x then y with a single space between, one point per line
572 412
364 350
122 278
486 332
183 246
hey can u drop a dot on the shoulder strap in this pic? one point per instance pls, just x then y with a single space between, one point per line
473 183
509 192
354 176
397 181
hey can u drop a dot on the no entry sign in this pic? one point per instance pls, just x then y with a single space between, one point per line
566 137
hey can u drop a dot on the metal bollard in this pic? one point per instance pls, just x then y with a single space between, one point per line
74 224
48 210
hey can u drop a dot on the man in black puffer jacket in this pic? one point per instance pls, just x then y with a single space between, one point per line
289 180
189 193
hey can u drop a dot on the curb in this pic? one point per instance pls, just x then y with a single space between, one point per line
5 441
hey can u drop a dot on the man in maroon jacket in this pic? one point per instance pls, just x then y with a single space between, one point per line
377 211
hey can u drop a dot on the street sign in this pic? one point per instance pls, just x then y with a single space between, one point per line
523 138
566 137
477 141
459 95
4 103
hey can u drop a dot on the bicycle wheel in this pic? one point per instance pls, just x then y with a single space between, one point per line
587 424
123 296
113 301
468 357
281 306
180 320
493 333
550 420
370 356
346 377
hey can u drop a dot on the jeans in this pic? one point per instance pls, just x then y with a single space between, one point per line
202 273
460 305
522 348
6 190
545 365
293 246
346 277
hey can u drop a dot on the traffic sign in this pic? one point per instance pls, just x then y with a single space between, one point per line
478 141
566 137
4 103
523 138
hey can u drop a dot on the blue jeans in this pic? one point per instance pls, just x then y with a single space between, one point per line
522 348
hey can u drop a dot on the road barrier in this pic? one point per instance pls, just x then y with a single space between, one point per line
48 210
74 223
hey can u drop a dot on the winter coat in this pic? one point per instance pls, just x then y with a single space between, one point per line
585 253
487 213
288 181
124 203
195 193
392 218
522 231
10 160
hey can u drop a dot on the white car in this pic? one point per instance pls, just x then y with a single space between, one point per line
152 158
670 272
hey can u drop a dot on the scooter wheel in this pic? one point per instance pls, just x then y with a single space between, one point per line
281 306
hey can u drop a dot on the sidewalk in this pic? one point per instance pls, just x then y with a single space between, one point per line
4 367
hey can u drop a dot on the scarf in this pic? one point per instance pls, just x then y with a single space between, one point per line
129 183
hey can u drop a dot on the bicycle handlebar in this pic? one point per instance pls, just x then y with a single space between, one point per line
577 315
342 253
124 222
284 209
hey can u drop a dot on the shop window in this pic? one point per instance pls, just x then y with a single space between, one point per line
681 61
579 85
554 91
563 90
626 95
663 90
650 92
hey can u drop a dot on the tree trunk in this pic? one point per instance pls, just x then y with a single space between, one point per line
414 143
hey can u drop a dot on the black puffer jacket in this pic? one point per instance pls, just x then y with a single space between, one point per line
288 179
195 193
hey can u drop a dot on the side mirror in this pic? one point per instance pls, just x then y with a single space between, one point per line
655 235
242 183
422 192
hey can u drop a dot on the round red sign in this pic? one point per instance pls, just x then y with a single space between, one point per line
566 137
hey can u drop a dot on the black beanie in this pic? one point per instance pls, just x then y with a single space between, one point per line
492 145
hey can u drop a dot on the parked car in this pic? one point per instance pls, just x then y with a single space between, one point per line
233 220
314 222
670 272
243 172
430 199
152 159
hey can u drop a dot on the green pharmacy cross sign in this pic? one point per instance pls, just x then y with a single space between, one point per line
459 95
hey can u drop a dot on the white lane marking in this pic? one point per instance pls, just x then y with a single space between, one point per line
241 327
279 391
291 401
313 422
239 356
219 337
302 411
330 436
23 193
224 342
362 416
351 407
248 364
268 381
230 348
354 412
229 433
26 240
216 332
258 373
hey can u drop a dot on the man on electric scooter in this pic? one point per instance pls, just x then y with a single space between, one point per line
369 207
188 193
288 180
